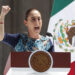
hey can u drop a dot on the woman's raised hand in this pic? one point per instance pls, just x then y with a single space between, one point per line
5 10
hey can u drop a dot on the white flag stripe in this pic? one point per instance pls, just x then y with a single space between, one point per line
67 13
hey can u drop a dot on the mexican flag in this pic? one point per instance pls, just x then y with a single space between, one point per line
62 26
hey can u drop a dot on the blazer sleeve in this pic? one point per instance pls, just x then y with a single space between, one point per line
11 39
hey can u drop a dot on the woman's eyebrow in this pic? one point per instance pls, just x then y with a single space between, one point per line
35 17
32 17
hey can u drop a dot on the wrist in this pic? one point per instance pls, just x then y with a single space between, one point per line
2 17
1 22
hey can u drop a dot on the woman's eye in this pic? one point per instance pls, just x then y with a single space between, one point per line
38 18
33 19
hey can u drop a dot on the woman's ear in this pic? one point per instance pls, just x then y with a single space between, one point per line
25 22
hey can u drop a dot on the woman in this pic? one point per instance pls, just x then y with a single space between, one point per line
26 42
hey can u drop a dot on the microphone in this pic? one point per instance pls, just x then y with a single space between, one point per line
49 34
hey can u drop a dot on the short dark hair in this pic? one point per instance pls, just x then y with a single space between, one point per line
28 12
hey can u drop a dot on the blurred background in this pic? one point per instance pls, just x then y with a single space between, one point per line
14 21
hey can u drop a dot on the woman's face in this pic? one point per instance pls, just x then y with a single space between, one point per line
34 22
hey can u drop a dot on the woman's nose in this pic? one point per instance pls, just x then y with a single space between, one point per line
37 22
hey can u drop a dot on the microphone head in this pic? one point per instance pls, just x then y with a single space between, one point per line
49 34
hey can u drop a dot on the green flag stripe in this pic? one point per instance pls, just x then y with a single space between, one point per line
59 5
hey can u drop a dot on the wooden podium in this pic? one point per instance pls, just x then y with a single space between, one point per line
20 60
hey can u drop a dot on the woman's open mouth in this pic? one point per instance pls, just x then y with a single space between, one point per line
37 28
